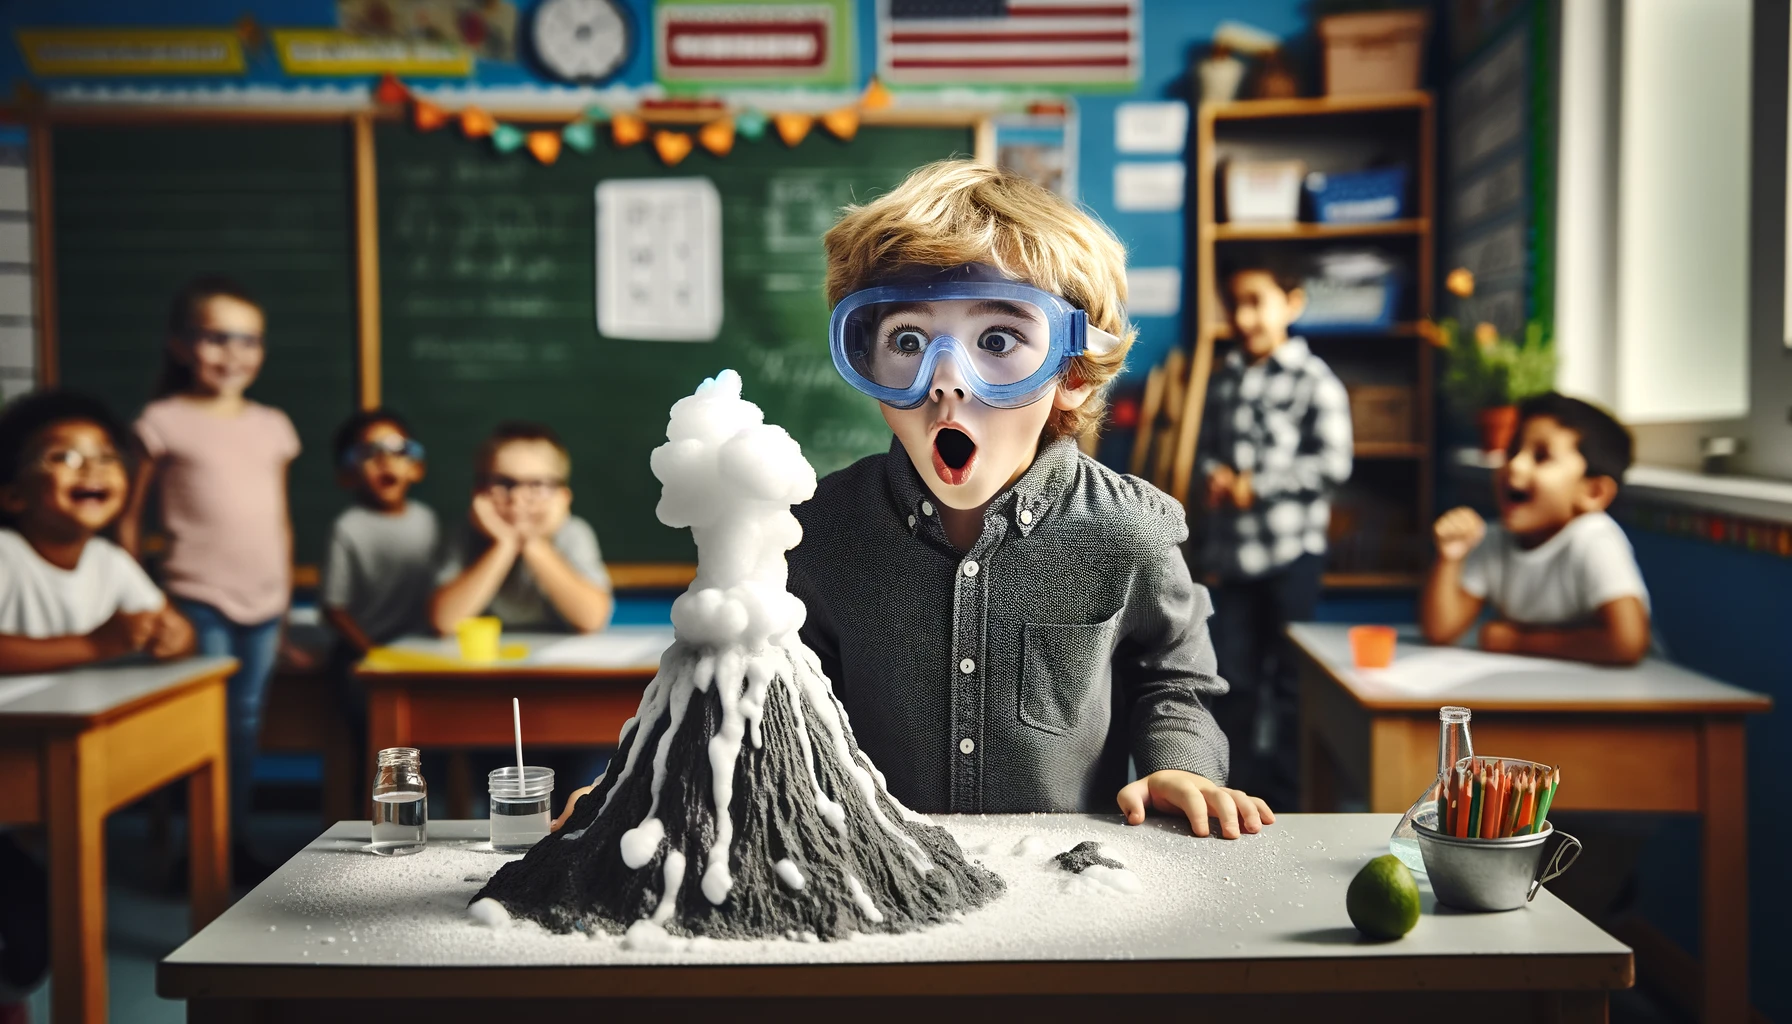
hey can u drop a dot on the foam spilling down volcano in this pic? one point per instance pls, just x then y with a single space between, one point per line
738 804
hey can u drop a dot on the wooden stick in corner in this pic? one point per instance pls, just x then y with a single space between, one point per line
1147 425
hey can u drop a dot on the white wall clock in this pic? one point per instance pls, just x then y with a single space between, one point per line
581 40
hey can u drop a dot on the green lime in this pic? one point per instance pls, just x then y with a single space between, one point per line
1383 899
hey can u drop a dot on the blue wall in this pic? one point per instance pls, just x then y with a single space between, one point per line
1723 611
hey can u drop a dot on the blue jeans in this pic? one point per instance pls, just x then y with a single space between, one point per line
254 647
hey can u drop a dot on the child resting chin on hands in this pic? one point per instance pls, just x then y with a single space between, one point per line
1559 571
67 595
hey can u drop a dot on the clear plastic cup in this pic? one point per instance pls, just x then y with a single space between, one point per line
521 806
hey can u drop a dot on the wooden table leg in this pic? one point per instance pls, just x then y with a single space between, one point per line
75 813
208 840
1724 907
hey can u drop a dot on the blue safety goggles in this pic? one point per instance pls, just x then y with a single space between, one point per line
1009 344
368 450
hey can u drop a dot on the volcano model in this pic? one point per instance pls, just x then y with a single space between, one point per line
738 804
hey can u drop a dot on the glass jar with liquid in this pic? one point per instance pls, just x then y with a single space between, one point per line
400 802
521 806
1453 744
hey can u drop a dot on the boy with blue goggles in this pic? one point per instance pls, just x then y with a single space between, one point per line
1009 623
889 340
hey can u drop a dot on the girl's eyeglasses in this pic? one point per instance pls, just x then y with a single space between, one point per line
224 339
75 459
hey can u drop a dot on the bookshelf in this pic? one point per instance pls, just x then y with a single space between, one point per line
1381 518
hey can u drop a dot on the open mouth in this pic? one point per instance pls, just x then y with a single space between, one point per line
97 495
1517 495
953 455
386 481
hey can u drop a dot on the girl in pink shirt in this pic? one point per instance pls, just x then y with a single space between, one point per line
221 461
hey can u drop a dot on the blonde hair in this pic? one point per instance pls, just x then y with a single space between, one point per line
956 211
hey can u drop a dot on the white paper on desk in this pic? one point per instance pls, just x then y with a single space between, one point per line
1445 668
24 686
1149 186
611 649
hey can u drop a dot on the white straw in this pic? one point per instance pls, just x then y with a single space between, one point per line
516 719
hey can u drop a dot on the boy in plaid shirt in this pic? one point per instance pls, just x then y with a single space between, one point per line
1275 441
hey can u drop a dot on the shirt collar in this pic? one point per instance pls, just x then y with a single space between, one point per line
1290 354
1025 504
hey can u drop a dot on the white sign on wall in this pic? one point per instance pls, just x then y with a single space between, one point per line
659 259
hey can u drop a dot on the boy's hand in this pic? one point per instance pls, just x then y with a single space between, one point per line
173 635
491 522
1500 637
1199 798
124 633
1457 532
1220 484
571 802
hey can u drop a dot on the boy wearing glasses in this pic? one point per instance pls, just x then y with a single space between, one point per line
381 567
67 595
523 556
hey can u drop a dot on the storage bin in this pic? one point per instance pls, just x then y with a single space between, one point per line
1348 305
1383 413
1357 197
1373 52
1263 191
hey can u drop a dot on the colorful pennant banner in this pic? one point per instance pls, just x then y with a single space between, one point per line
580 134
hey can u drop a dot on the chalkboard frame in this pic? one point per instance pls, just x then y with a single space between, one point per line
361 120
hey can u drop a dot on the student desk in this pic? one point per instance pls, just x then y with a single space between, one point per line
1654 738
1255 928
76 746
576 691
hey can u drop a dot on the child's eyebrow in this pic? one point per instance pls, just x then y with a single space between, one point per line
1001 308
896 309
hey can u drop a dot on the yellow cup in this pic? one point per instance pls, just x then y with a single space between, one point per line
479 639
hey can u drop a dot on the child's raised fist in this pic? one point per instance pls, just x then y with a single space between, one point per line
1457 533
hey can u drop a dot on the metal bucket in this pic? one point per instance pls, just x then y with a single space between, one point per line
1491 874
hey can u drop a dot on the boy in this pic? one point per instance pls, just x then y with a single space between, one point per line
523 556
1275 441
67 595
1006 620
1559 571
381 567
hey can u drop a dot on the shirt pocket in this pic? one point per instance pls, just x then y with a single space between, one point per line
1064 667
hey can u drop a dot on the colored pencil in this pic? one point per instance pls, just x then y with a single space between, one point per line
1460 827
1514 805
1527 818
1549 797
1479 794
1490 814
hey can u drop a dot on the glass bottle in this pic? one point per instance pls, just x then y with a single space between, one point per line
1453 745
400 802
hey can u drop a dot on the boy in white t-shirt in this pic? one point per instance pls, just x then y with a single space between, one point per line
67 595
1559 571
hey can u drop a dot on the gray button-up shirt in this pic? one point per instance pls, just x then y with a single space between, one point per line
1021 674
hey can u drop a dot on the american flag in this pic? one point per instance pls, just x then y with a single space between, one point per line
1034 42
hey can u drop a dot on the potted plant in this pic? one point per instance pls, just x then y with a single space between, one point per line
1486 375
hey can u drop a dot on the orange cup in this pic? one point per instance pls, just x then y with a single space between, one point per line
1372 646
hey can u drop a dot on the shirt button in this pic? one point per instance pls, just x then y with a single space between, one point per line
911 522
1026 517
967 666
927 508
970 567
966 745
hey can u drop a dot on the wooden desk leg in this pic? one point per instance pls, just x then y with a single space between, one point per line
208 840
1723 804
75 812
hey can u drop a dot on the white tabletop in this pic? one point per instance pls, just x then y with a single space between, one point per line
618 647
1431 675
1279 894
98 689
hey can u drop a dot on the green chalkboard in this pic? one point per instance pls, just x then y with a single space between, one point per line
140 209
488 284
